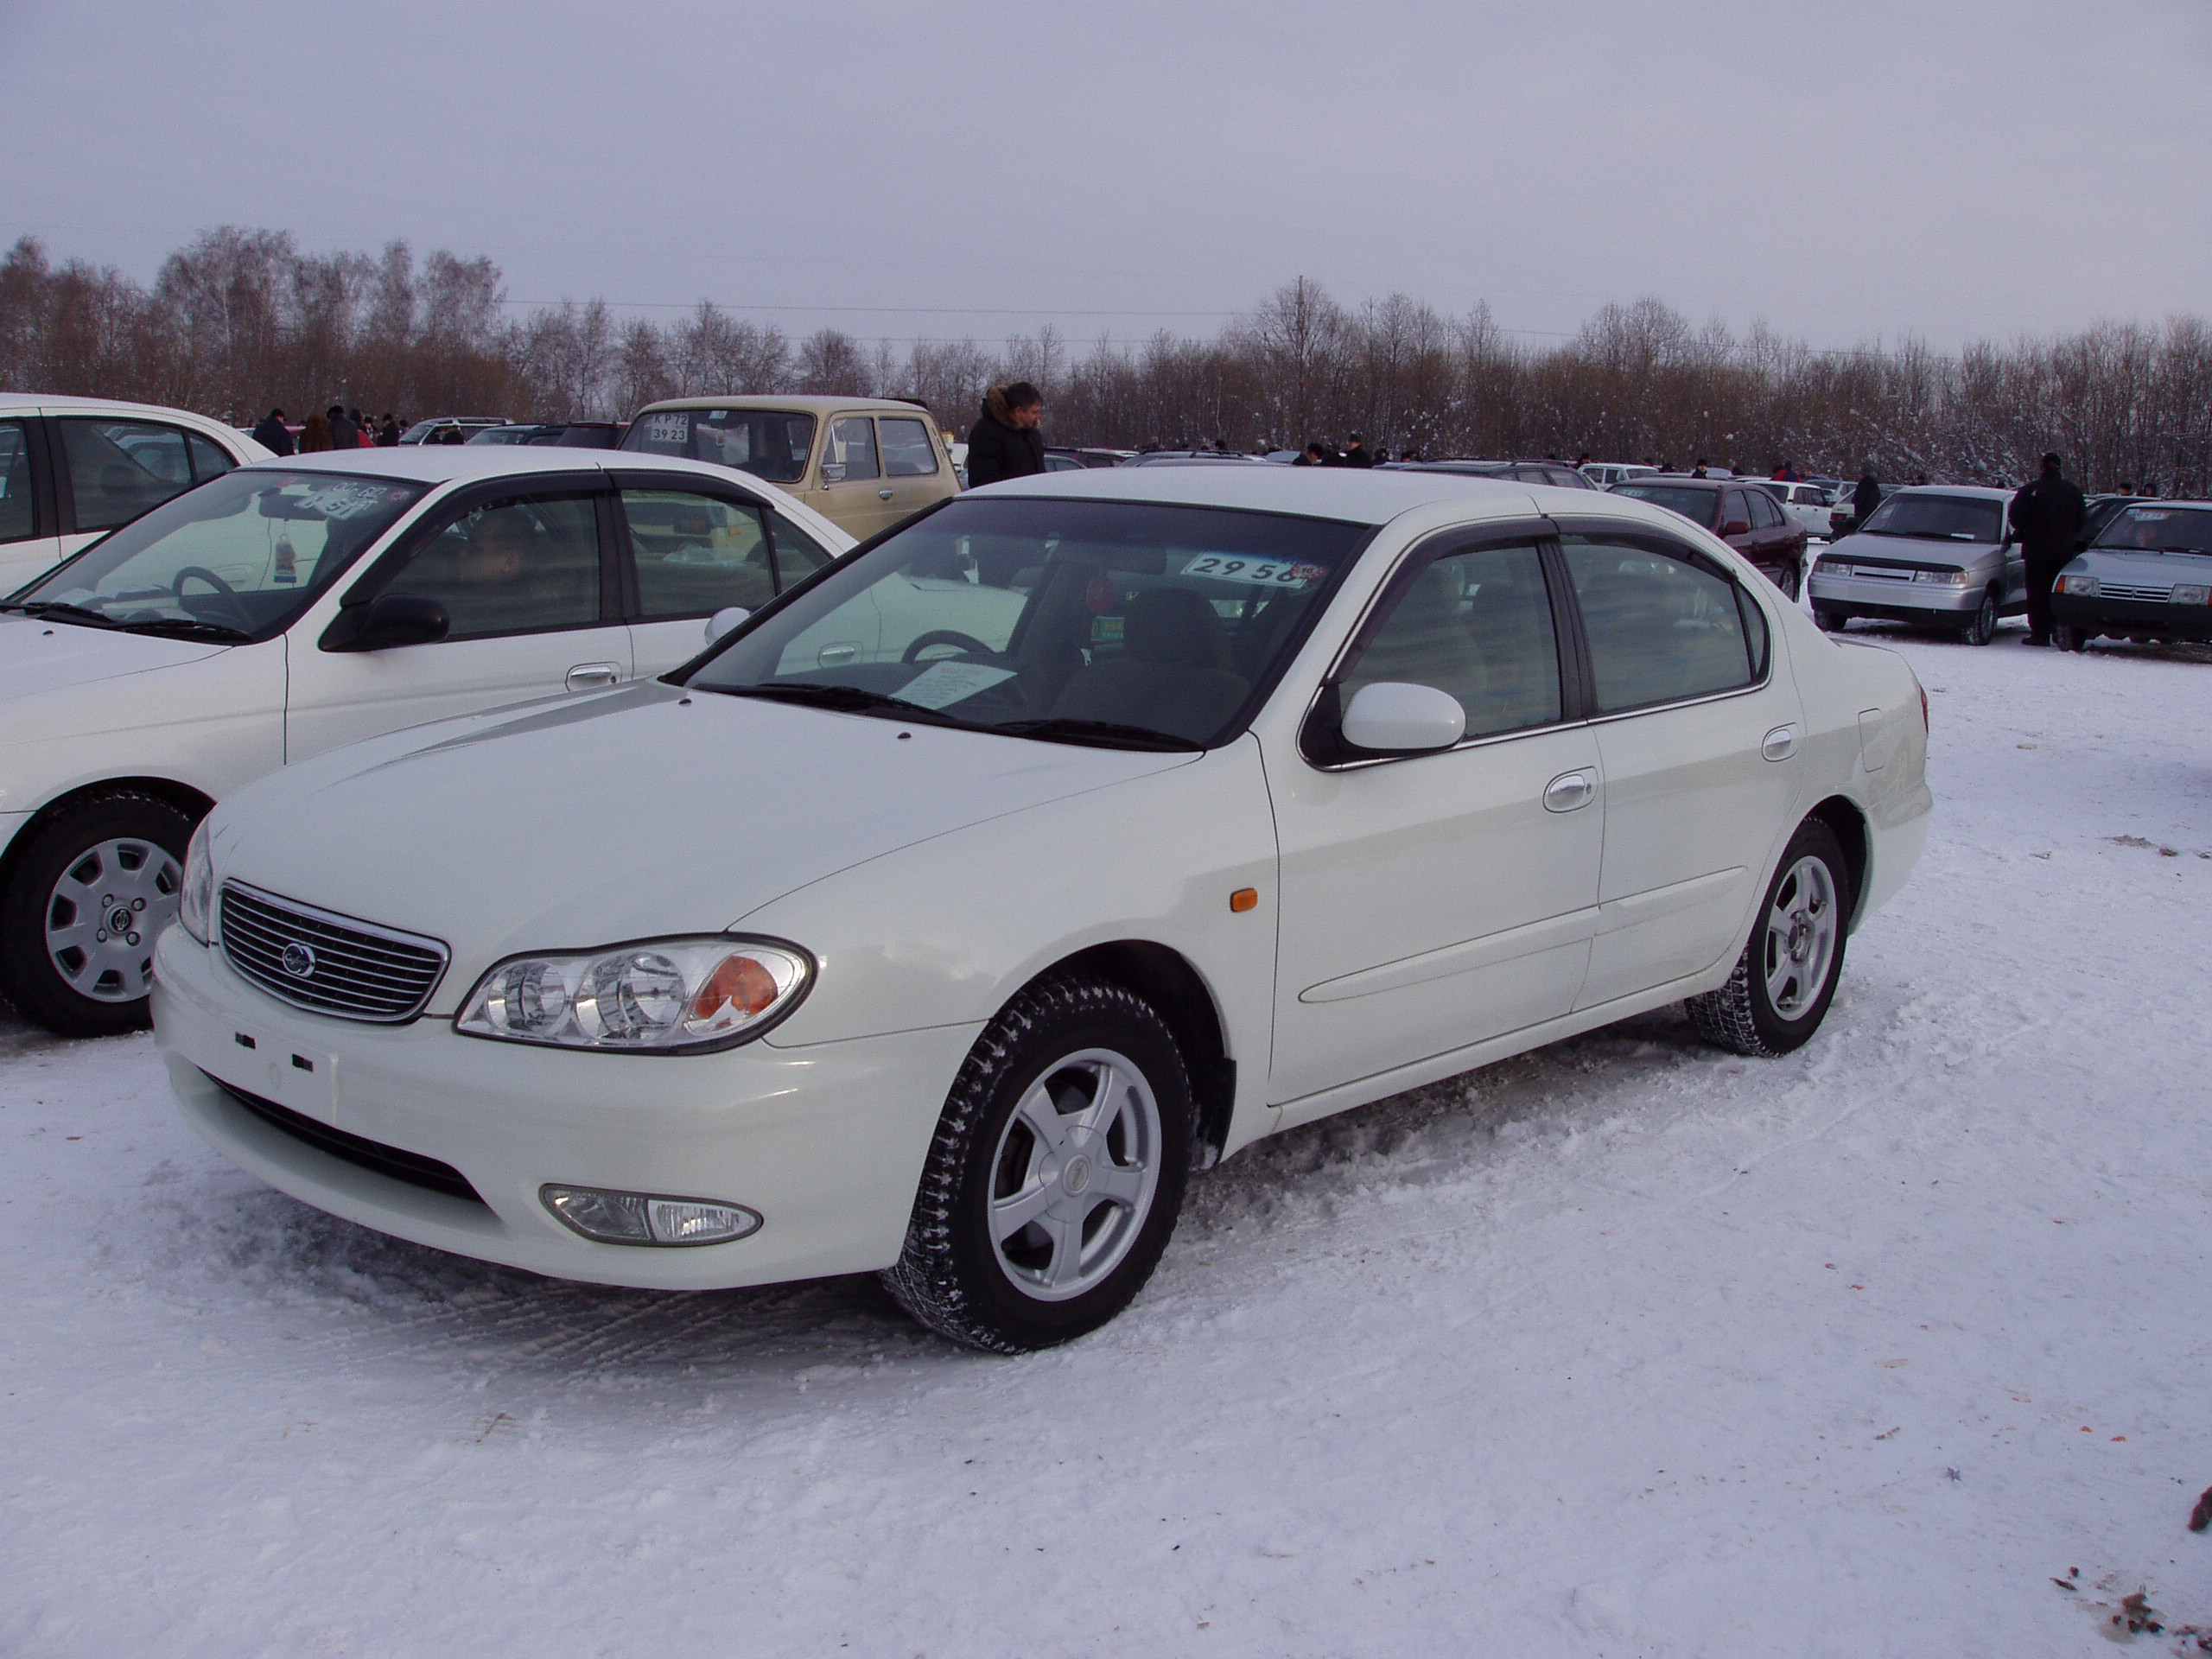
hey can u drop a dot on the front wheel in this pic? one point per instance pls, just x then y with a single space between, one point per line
1983 628
1829 620
77 923
2066 637
1780 991
1056 1174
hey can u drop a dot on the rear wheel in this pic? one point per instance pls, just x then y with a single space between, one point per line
1056 1174
1983 627
77 923
1779 993
1793 582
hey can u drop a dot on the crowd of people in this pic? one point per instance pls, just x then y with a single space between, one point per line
336 428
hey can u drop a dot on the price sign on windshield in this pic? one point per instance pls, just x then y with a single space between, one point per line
1273 573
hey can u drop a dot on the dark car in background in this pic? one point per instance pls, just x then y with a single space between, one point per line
1082 456
566 435
2147 578
1740 513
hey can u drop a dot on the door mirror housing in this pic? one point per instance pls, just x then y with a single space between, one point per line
1396 717
725 621
1735 527
387 620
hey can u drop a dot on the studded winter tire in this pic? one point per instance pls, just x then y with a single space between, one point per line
1779 993
84 899
1056 1174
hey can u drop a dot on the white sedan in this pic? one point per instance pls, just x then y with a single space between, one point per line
1285 791
74 469
292 606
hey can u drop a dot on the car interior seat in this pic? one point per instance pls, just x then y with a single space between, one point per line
1171 673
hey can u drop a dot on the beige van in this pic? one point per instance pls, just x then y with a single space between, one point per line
863 463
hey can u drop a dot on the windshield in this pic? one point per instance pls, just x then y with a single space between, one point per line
241 555
769 443
1937 518
2160 530
1696 506
1109 622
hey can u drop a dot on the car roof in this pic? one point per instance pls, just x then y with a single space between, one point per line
444 463
22 400
1359 495
1683 479
812 403
1977 492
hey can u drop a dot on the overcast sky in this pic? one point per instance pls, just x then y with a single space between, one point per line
1946 168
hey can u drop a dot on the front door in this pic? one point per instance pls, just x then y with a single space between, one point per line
853 494
1431 901
521 576
1700 743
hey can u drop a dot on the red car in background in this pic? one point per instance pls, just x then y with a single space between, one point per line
1740 513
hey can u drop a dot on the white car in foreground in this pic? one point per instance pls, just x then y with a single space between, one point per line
1285 791
74 469
288 606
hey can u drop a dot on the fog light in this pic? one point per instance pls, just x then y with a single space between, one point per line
644 1219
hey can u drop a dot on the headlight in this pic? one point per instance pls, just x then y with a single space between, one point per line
2192 596
2085 586
1832 566
660 996
198 897
1941 578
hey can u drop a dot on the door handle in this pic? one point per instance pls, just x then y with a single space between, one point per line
1779 744
883 495
586 675
1569 791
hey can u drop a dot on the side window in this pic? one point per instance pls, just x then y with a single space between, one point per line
851 450
1765 515
510 566
798 555
908 451
696 553
1661 628
119 469
209 460
18 520
1477 625
1734 510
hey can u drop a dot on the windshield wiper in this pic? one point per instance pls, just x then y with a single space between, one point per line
61 609
190 627
1100 734
846 699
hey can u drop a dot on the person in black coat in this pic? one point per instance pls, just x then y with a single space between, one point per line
1866 496
344 434
1356 452
273 435
1005 442
2045 518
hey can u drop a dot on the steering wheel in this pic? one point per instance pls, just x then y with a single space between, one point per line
225 592
945 637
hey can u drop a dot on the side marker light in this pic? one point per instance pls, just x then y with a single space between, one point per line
1244 899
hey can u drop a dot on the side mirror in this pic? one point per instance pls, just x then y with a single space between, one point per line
724 620
1392 716
1735 527
387 620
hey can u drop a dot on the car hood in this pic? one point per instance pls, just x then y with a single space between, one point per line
1917 550
2149 567
36 654
643 812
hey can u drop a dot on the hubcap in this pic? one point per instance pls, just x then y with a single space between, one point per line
1801 937
1073 1175
103 914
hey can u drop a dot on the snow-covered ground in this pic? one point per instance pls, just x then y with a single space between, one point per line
1627 1347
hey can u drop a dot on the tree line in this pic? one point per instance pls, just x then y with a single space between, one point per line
241 320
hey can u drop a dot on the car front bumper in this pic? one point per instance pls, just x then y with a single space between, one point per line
1898 602
2148 619
825 1141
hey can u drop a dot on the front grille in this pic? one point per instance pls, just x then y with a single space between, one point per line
411 1167
2141 592
327 962
1870 572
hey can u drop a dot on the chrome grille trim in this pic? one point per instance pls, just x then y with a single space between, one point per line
362 970
2140 592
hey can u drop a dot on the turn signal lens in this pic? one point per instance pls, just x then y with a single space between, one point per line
667 996
640 1219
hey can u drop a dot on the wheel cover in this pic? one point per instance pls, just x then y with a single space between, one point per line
1073 1175
1801 937
103 914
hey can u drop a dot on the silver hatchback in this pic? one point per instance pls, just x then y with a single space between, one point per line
1935 555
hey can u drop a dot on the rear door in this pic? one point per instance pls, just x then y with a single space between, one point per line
534 598
913 471
1699 739
29 543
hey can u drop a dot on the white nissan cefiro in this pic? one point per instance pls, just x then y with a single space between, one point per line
1213 801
